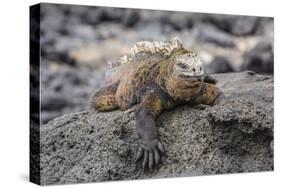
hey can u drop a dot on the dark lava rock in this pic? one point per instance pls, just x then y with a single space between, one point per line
34 91
98 15
244 25
219 65
151 31
265 27
232 137
51 17
65 89
178 20
53 101
237 25
130 17
207 33
259 59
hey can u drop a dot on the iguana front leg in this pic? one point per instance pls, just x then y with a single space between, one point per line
150 148
210 94
104 99
209 79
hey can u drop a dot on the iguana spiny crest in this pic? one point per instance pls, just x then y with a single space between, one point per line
186 61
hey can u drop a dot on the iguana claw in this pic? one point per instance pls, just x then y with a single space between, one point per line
149 152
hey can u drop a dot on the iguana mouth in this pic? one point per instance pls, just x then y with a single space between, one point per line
192 78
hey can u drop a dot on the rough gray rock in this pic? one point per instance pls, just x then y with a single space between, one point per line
219 65
209 34
65 88
231 137
236 25
259 59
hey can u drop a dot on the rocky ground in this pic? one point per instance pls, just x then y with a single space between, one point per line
232 137
77 41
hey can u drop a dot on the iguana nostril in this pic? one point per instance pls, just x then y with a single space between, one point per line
193 69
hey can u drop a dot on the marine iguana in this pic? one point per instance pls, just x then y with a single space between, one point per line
158 76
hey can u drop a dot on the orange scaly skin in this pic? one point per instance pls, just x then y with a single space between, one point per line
157 82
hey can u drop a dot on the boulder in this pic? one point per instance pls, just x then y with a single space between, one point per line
219 65
232 137
207 33
236 25
259 59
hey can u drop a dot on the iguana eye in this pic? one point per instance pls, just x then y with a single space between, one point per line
183 66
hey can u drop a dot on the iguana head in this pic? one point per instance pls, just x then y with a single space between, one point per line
186 75
188 65
185 62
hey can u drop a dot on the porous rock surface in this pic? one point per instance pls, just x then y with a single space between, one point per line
232 137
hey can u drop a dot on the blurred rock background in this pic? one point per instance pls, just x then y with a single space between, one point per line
77 41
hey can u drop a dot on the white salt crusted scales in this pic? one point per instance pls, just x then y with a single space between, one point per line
156 47
164 49
122 60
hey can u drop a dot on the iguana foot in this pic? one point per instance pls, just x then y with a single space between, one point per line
149 152
210 79
219 99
